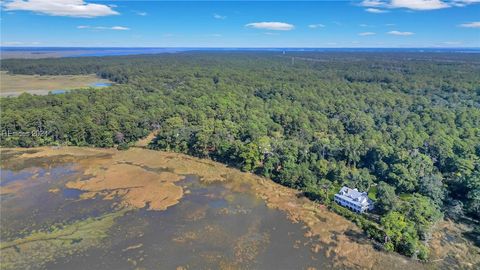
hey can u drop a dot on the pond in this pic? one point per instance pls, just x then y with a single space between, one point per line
100 84
94 85
59 91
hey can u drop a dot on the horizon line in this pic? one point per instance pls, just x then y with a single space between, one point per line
219 47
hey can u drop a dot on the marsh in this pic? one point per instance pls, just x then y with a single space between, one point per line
69 207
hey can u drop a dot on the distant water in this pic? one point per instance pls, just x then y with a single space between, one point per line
100 84
42 52
95 85
127 51
46 52
59 91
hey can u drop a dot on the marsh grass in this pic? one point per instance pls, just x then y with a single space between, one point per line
58 241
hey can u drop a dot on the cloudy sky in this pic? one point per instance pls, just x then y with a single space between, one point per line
368 23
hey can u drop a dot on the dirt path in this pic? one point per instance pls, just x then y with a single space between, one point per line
145 141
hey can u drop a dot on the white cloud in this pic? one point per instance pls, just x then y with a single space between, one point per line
374 5
276 26
121 28
219 17
118 28
366 34
398 33
470 25
141 13
318 25
462 3
69 8
451 43
376 10
419 4
13 43
20 43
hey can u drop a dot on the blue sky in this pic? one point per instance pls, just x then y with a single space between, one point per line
369 23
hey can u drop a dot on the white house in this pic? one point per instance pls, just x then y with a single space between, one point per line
354 200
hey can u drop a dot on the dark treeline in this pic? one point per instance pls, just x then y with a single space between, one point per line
403 126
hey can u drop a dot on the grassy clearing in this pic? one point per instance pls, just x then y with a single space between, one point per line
14 85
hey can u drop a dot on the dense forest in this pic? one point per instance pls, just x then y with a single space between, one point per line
403 126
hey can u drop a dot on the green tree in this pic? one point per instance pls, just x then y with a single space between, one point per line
432 187
387 200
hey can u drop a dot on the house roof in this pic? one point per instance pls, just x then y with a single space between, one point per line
354 196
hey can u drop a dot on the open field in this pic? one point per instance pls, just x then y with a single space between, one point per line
14 85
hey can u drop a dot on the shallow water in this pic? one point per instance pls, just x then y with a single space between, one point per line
212 227
100 84
34 206
58 91
95 85
11 176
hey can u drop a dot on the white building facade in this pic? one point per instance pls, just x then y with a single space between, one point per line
354 200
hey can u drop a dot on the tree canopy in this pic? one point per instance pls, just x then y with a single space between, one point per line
405 124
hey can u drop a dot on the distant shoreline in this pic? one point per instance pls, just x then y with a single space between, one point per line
58 52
